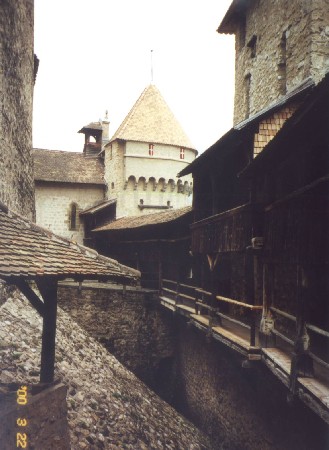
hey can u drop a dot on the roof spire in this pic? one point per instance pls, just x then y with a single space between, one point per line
151 66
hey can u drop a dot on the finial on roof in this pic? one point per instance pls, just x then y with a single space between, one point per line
151 66
106 115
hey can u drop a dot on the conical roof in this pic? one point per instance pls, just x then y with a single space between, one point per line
151 120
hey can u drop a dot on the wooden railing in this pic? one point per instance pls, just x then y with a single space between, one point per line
228 231
313 328
200 301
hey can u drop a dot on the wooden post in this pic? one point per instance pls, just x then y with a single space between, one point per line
301 363
160 267
48 290
267 339
250 291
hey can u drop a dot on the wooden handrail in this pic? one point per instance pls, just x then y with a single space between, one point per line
169 281
283 314
202 291
230 319
186 296
236 302
293 318
317 330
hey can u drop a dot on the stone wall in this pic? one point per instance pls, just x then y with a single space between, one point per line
16 93
274 56
108 407
129 324
239 408
53 207
43 420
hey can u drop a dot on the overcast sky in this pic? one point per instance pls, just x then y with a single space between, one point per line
96 56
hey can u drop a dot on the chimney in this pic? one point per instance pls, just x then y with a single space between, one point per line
105 127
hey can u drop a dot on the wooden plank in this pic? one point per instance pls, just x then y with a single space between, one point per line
186 296
202 319
186 308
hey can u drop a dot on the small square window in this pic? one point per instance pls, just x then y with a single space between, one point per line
151 149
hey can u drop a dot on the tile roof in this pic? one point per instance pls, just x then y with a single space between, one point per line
92 126
97 208
144 220
28 251
151 120
67 167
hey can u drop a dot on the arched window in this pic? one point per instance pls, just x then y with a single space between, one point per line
73 217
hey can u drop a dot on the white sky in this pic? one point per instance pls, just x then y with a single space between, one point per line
95 56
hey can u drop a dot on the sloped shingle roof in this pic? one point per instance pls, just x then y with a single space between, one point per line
67 167
147 219
100 207
151 120
28 251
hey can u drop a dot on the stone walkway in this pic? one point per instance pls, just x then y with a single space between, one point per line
109 408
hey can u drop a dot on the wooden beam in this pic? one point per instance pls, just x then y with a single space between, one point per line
32 297
48 290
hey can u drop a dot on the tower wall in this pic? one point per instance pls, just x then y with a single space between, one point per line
274 56
144 183
16 93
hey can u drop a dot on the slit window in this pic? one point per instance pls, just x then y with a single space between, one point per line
73 217
182 153
252 45
151 149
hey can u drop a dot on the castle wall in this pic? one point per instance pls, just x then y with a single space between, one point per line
287 50
129 324
16 64
53 207
238 408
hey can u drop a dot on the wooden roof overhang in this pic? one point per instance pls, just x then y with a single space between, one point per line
31 253
242 133
233 15
168 226
307 126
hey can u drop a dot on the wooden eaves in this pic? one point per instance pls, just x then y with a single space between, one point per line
29 253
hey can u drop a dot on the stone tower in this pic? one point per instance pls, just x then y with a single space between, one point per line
144 156
16 64
274 57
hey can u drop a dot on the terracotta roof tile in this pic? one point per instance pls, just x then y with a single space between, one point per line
29 251
151 120
67 167
147 219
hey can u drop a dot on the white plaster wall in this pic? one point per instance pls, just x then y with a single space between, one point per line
165 162
53 207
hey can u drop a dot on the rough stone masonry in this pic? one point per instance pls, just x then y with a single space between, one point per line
108 407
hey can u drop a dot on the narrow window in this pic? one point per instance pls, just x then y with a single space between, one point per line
182 153
151 149
247 84
112 185
282 64
73 217
252 45
111 151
